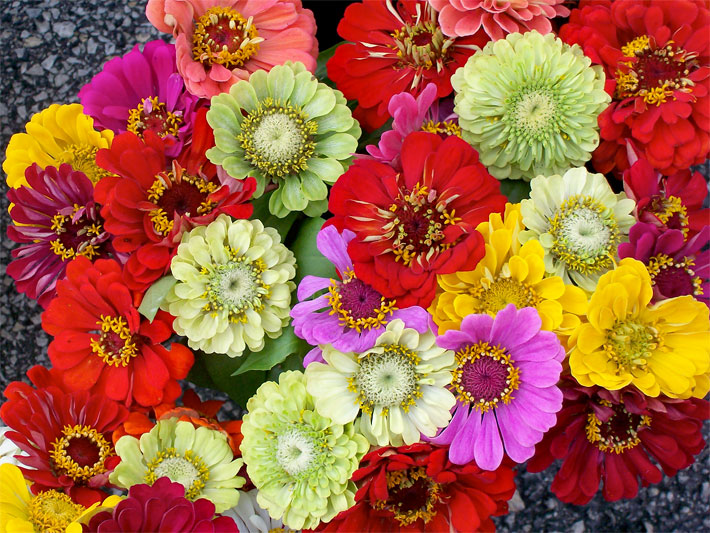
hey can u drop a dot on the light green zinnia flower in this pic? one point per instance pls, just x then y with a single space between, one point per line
287 128
233 286
529 104
198 458
300 461
579 221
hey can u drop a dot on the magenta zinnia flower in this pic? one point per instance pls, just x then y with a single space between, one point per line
352 314
142 91
161 506
506 386
677 267
56 220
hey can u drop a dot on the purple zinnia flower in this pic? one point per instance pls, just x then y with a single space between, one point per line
351 315
426 113
677 267
57 220
141 91
505 386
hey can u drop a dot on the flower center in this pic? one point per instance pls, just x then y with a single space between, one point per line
484 376
151 114
445 128
671 212
387 379
83 158
674 278
116 345
494 295
585 235
80 233
619 432
412 496
295 452
80 453
357 304
422 45
236 286
417 225
653 73
630 344
278 138
188 469
531 113
222 36
51 511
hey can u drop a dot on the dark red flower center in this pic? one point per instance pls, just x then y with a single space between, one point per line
116 345
617 433
412 496
80 453
222 36
80 233
151 114
358 305
484 378
674 278
670 211
359 299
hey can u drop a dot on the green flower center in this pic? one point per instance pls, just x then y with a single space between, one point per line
277 138
631 344
188 469
531 113
52 511
295 451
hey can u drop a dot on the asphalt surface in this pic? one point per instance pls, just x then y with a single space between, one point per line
49 49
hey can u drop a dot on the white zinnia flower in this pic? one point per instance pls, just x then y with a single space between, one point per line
250 516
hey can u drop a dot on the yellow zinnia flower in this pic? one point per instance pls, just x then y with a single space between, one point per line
508 273
661 349
56 135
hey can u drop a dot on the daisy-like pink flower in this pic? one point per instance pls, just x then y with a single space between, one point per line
505 384
219 42
459 18
140 91
351 315
56 220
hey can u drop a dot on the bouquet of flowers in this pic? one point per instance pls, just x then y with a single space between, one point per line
468 237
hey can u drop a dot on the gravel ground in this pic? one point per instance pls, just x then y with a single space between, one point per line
49 50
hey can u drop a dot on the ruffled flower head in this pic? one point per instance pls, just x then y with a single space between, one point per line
352 314
141 91
300 461
250 516
56 135
396 389
529 104
579 221
287 130
221 42
234 286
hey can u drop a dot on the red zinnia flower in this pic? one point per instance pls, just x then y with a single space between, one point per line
655 55
417 223
152 199
394 48
417 488
67 436
102 343
611 436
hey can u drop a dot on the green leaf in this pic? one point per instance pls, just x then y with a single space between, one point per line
220 369
155 295
373 137
321 70
261 212
309 261
275 351
515 190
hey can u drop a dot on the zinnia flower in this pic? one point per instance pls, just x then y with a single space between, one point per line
579 221
656 57
300 461
287 129
250 516
55 219
661 349
66 438
394 47
233 286
141 91
412 225
352 314
221 42
529 104
601 437
459 18
102 344
8 448
161 506
396 389
508 273
58 134
505 384
417 488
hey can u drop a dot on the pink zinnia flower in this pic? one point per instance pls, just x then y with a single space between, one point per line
506 387
220 42
459 18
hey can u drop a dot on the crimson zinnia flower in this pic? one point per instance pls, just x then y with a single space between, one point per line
412 225
417 488
101 342
655 56
152 199
611 436
395 47
67 438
